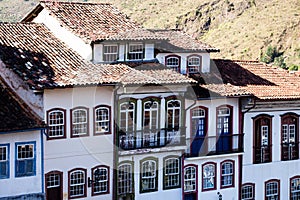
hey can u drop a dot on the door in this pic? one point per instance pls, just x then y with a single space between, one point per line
289 138
54 187
198 132
224 130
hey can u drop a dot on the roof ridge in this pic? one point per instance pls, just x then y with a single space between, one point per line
72 2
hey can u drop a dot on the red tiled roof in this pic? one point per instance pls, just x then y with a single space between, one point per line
43 61
261 80
94 21
15 113
179 41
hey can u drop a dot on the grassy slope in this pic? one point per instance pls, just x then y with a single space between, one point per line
242 29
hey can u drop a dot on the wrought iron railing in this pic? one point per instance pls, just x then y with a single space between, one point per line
214 145
153 138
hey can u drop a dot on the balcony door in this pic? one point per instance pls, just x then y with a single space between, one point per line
198 132
224 129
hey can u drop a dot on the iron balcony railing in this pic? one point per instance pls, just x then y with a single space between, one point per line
151 138
215 145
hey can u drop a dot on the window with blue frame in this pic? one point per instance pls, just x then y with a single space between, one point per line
4 161
25 159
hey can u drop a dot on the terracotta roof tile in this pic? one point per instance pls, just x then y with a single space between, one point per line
179 41
94 21
263 81
15 113
43 61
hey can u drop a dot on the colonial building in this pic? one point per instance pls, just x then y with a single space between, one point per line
134 113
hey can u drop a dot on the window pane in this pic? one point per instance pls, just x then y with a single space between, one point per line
110 53
247 192
102 120
125 182
79 122
100 176
208 176
148 175
295 189
56 123
172 172
173 63
77 183
189 179
136 51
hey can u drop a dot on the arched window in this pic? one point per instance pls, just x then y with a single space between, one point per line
289 136
172 173
127 125
173 62
194 64
79 120
227 174
150 123
262 138
190 178
248 191
125 179
295 188
272 189
77 183
209 176
56 123
148 175
100 183
173 121
102 119
198 130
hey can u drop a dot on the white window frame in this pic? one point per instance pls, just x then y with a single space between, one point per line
79 122
4 160
227 173
125 180
190 179
101 186
173 62
272 190
148 175
295 188
53 180
247 192
133 54
171 173
197 114
209 176
192 66
102 120
173 109
112 55
77 183
56 128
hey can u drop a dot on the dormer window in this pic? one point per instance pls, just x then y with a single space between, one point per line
135 51
173 62
194 64
110 53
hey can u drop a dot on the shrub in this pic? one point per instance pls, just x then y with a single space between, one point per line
293 68
269 55
279 61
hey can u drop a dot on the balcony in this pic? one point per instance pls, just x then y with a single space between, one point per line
216 145
262 154
289 151
154 138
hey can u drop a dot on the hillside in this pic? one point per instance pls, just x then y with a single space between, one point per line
242 29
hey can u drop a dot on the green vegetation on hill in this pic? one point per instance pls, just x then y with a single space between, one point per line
242 29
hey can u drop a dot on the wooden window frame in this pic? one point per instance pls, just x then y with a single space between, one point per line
64 124
149 159
110 54
252 185
142 53
107 181
6 161
60 179
256 137
104 107
126 193
215 176
291 180
179 174
84 185
270 181
26 160
192 66
196 179
87 121
171 66
296 124
233 174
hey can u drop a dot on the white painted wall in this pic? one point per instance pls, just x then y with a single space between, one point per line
14 186
277 169
83 152
77 44
183 66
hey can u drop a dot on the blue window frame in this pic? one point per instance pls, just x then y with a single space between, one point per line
4 161
25 159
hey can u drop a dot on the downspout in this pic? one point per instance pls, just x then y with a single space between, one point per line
115 147
43 132
240 157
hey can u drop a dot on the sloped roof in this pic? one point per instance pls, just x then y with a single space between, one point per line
15 113
179 41
43 61
261 80
93 21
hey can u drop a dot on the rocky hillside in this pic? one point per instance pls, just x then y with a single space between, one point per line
242 29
